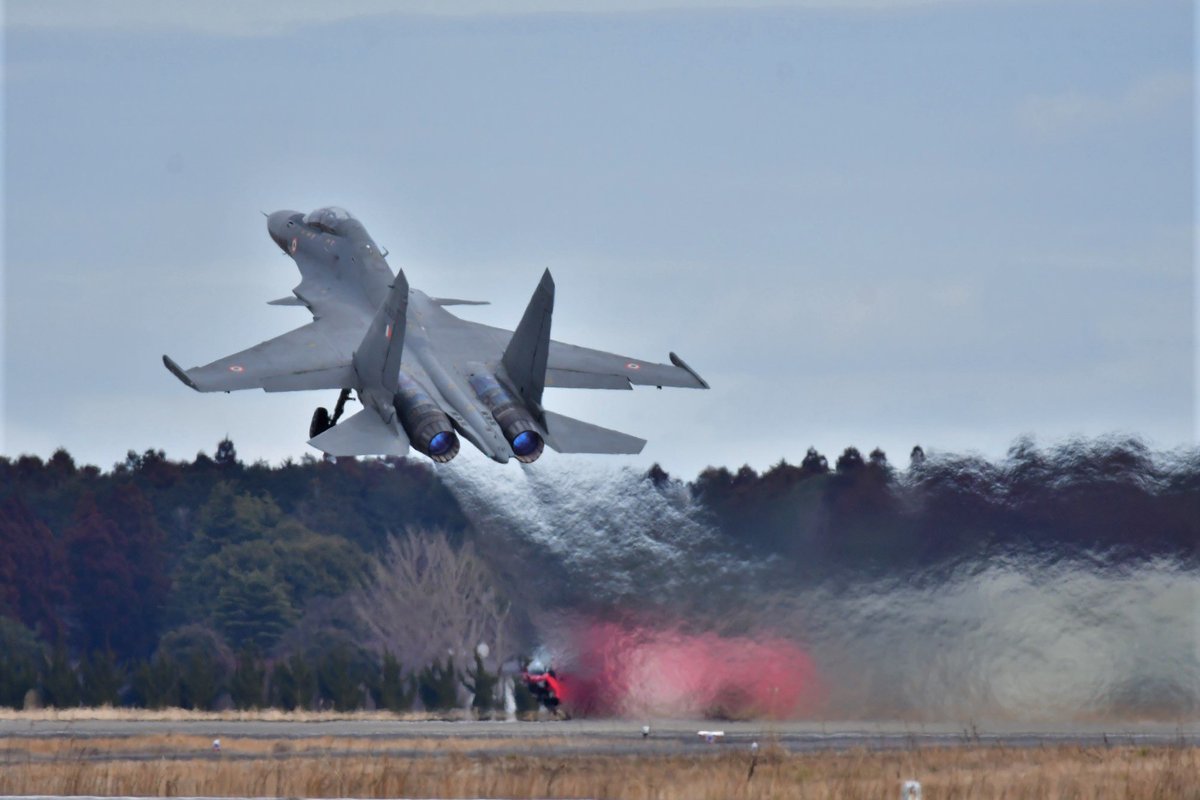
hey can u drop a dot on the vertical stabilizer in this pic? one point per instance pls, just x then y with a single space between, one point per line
525 358
377 359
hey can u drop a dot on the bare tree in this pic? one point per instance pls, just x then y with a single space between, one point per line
424 599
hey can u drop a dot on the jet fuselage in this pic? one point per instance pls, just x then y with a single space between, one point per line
423 375
350 256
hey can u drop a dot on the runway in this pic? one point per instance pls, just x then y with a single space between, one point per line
609 736
376 757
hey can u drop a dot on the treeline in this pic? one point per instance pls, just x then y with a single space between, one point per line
215 581
193 669
1109 498
114 561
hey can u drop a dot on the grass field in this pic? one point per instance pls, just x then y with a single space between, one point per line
323 767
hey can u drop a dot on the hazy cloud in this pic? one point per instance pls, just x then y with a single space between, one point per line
823 216
239 18
1074 112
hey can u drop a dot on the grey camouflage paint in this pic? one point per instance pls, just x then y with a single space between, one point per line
367 322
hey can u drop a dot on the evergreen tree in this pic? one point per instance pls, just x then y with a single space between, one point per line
100 680
395 692
849 461
103 585
814 463
657 475
218 522
61 466
251 568
917 457
17 677
253 609
482 685
247 683
60 684
202 662
282 691
305 680
142 541
340 678
156 683
201 683
20 655
33 573
313 565
226 456
293 684
437 686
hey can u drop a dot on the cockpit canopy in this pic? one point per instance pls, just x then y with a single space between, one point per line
327 219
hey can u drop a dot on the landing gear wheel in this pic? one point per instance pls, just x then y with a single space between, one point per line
320 423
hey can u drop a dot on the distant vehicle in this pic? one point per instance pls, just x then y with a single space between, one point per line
423 375
544 685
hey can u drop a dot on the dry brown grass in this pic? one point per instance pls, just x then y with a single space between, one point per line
960 772
22 748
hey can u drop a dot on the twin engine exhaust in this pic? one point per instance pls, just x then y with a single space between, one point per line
430 430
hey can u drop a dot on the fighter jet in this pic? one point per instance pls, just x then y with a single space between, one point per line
423 376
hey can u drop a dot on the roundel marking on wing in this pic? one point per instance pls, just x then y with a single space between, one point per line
237 368
292 247
633 365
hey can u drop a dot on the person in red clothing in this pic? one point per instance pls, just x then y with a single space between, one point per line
544 685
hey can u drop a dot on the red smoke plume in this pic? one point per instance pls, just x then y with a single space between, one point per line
634 670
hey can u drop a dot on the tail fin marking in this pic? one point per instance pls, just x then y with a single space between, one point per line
377 359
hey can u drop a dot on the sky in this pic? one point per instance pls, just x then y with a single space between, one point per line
950 223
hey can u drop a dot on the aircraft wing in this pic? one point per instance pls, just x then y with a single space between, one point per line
571 367
311 357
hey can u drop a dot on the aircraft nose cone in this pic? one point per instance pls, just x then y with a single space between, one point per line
277 227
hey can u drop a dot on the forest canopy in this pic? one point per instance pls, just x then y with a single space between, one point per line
160 582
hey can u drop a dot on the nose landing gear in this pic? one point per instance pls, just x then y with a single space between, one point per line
321 419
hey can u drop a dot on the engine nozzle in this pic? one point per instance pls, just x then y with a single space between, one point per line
513 418
427 426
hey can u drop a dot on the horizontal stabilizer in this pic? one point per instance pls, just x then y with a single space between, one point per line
290 300
453 301
364 434
567 435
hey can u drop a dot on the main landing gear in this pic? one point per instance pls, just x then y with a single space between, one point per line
322 421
